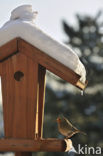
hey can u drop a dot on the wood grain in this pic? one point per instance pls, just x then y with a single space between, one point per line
20 97
8 49
49 145
41 100
1 71
50 63
22 71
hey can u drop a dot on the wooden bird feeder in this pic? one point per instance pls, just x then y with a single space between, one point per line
22 69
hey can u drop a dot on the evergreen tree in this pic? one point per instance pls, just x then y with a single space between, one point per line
85 112
87 40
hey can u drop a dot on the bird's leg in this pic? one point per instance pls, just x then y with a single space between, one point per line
68 137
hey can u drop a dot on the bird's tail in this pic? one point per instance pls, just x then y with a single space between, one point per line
82 132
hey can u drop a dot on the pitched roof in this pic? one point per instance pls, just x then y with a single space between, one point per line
21 24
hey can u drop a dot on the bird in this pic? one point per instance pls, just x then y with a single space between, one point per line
66 128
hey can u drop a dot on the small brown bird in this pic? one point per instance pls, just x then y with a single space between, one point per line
66 128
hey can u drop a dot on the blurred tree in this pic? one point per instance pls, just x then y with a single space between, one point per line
87 41
85 112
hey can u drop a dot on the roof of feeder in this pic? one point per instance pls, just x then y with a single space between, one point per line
22 24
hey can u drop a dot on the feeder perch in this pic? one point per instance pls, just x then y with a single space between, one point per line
27 145
23 67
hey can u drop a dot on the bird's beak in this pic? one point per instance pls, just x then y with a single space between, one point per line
58 120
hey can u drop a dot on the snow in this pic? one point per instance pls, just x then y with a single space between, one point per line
22 24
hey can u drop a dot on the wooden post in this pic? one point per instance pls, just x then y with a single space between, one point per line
41 100
19 89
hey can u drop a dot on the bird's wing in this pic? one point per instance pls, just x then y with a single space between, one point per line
69 123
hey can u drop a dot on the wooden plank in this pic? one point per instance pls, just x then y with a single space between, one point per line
50 63
20 97
48 145
41 100
40 103
1 71
81 85
27 153
8 49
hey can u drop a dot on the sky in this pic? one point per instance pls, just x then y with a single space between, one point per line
52 12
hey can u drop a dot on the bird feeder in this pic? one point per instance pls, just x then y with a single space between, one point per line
22 69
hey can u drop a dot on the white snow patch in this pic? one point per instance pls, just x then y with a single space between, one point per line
21 24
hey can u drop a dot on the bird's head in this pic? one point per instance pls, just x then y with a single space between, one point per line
58 120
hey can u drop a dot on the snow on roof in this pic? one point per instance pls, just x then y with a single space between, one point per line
22 24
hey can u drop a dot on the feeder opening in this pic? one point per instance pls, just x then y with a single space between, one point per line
18 75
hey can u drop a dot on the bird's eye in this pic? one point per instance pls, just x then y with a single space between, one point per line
58 120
